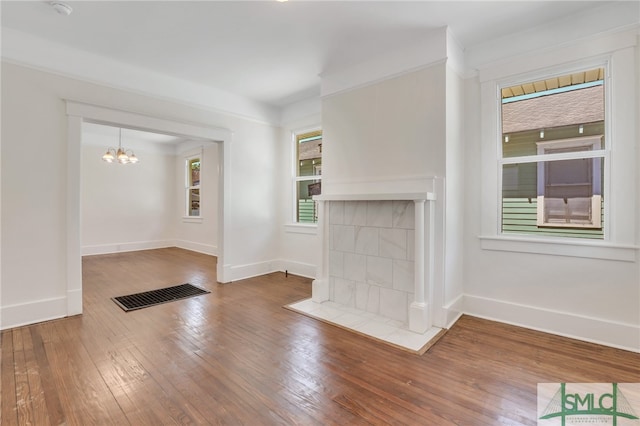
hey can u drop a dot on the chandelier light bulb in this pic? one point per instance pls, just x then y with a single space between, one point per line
122 155
108 156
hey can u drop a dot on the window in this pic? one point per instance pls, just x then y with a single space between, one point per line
308 175
192 186
553 152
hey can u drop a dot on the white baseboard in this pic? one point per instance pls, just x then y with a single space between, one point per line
124 247
250 270
149 245
296 268
74 302
241 272
197 247
33 312
595 330
453 311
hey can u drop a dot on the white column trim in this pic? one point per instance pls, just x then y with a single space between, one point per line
419 282
420 312
74 241
320 286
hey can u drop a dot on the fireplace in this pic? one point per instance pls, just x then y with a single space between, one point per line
377 255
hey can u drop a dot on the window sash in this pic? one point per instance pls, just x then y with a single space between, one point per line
576 155
190 190
311 173
570 212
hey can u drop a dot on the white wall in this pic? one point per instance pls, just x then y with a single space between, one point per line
588 290
126 207
256 195
199 234
299 246
34 199
391 130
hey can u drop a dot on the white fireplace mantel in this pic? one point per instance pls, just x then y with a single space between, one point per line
420 311
409 196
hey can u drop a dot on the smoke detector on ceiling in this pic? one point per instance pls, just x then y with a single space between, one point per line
61 8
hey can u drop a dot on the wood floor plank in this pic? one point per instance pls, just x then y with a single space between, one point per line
237 357
25 410
8 402
34 376
52 401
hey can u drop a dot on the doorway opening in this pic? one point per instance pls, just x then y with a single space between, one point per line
79 116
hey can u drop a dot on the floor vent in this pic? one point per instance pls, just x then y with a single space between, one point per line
135 301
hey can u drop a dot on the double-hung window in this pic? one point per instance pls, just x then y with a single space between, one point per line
192 186
308 175
553 156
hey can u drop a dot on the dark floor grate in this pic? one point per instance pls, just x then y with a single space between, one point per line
135 301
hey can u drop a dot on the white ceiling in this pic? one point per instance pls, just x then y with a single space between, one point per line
269 51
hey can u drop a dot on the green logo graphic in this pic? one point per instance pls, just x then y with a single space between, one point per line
581 407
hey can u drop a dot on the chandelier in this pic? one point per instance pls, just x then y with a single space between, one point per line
122 156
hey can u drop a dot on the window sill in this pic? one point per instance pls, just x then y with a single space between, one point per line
560 247
301 228
191 219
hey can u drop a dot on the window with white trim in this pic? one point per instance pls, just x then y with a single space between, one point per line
553 156
308 175
193 188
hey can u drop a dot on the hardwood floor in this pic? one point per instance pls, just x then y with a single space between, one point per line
236 356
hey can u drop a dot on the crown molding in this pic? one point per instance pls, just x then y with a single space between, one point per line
27 50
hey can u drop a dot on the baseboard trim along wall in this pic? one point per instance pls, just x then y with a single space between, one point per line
296 268
197 247
250 270
33 312
453 311
124 247
595 330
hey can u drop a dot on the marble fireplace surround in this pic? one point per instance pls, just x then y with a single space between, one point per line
378 256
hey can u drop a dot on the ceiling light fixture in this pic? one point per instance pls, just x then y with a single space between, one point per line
61 8
122 156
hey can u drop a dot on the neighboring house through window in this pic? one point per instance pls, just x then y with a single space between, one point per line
553 152
192 186
308 175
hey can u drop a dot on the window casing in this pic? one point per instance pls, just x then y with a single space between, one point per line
617 55
193 189
307 176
